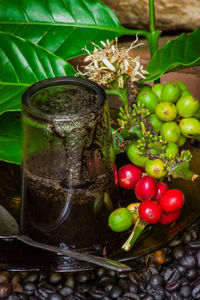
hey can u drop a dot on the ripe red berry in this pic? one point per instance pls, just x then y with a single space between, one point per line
162 188
128 175
168 218
172 200
146 188
150 211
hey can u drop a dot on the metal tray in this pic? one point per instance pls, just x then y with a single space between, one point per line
15 256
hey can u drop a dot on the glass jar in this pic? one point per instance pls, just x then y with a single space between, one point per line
68 188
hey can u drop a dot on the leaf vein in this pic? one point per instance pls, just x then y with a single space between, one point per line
68 9
11 63
64 41
24 57
90 12
11 96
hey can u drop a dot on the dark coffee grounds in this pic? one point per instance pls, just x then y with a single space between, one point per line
62 100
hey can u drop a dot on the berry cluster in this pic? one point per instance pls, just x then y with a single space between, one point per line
158 204
157 125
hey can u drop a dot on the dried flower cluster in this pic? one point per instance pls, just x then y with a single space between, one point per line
111 66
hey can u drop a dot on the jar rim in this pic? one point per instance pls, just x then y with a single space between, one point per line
61 81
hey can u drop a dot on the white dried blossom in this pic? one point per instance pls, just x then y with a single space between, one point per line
110 66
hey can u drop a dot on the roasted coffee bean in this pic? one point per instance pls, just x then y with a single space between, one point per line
100 272
46 288
184 280
83 277
133 288
146 275
188 261
123 284
122 275
189 251
40 296
173 286
16 278
194 245
157 291
72 297
175 296
196 281
187 237
156 280
70 281
196 291
111 273
168 261
5 289
131 296
43 293
3 277
94 287
83 288
153 270
80 295
30 286
108 287
148 297
142 285
171 275
33 277
98 294
194 234
28 293
42 277
150 289
191 274
116 292
156 266
175 242
14 296
55 297
178 252
134 277
197 255
181 269
185 290
55 278
22 296
108 298
105 279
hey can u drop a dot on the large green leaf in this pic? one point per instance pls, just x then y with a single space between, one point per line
175 55
22 63
63 27
10 137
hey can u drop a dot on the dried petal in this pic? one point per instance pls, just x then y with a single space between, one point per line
113 65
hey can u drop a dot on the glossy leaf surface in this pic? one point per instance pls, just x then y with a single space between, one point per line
175 55
10 137
63 27
22 63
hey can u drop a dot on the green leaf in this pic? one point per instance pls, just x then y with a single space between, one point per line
22 63
175 55
10 138
63 27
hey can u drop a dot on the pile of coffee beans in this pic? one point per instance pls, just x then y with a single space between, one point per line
175 277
